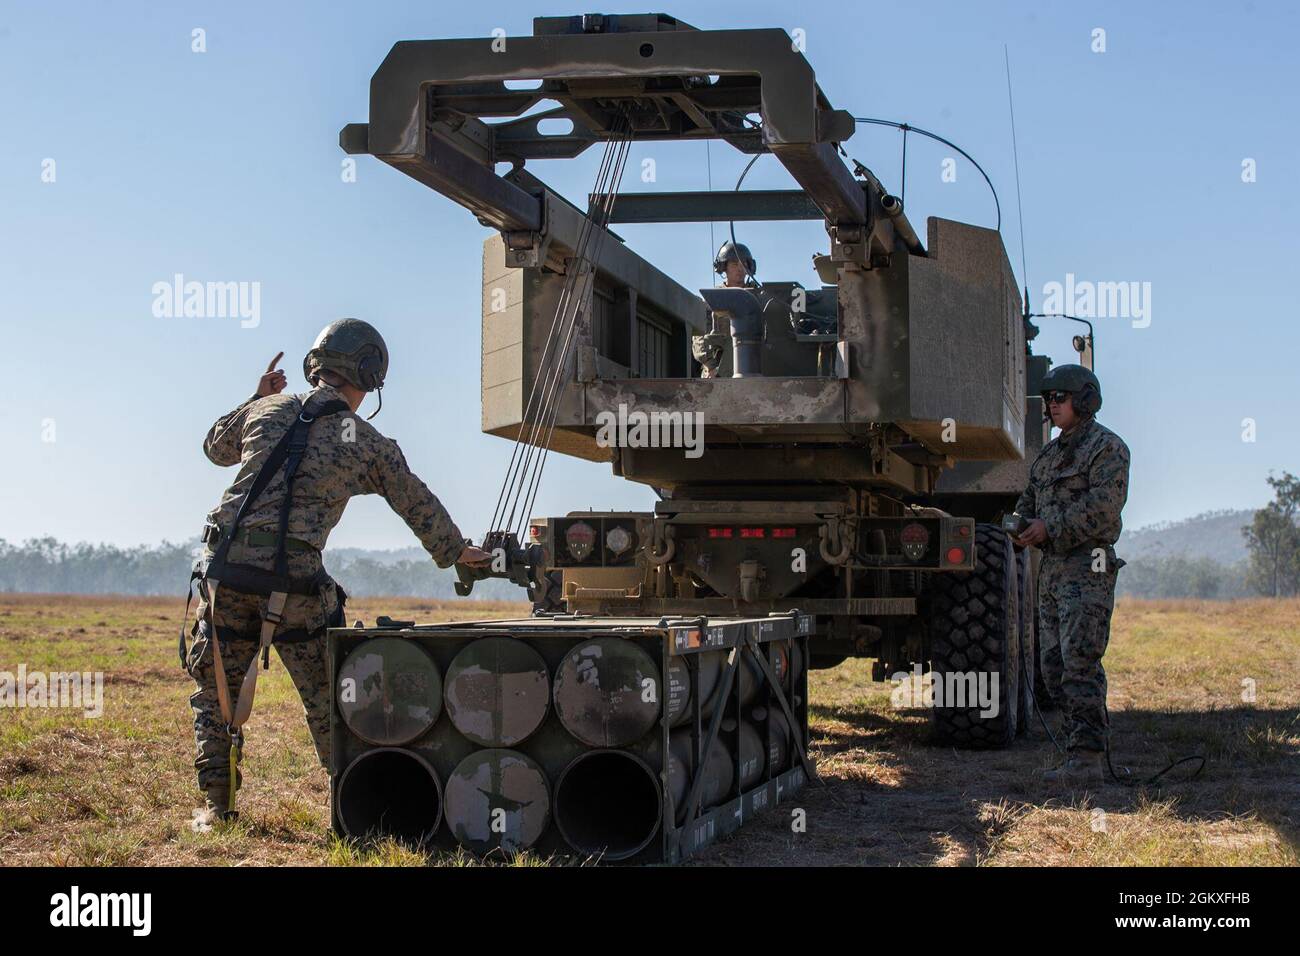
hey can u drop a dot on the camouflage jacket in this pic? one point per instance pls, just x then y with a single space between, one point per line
1078 485
345 456
708 350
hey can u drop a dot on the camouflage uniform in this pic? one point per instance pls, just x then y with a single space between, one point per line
345 456
708 350
1078 486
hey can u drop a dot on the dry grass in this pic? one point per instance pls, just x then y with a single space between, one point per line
119 789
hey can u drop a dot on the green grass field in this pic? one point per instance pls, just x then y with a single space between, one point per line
118 789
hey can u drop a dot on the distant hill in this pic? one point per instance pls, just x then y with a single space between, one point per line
1215 535
1203 556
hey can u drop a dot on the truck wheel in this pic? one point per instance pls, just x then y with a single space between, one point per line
974 631
1027 570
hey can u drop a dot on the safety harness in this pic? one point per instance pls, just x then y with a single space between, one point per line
276 585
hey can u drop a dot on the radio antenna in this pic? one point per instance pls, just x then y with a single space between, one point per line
1015 155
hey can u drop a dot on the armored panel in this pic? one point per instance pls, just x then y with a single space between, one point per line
966 346
514 300
635 321
999 477
1005 478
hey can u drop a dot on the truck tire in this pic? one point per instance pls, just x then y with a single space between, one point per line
974 623
1042 695
1027 570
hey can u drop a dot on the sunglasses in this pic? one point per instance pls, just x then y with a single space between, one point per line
1056 398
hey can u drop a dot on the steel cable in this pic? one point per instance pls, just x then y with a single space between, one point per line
516 468
588 276
568 308
519 488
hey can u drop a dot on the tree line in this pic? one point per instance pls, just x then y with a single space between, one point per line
48 566
1181 576
1273 540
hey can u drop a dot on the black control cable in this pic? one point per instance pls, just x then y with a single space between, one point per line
909 128
1124 781
732 224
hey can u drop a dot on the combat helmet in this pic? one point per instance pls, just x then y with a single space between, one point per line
737 251
351 348
1080 382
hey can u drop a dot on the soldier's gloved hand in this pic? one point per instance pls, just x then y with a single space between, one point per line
1034 535
474 557
272 381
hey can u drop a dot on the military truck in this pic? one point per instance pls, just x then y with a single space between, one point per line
862 441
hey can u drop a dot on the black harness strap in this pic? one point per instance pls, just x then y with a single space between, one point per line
288 452
245 579
250 580
295 635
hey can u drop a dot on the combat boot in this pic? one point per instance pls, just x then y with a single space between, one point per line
216 810
1082 768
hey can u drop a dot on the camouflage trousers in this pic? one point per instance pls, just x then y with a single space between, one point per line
241 614
1074 609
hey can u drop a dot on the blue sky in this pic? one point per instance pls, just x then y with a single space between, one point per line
224 166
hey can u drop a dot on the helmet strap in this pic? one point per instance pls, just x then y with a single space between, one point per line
379 393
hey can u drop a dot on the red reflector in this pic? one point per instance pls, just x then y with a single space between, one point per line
753 532
914 534
956 555
783 532
963 530
719 532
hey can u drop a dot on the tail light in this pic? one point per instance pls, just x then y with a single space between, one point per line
580 539
915 540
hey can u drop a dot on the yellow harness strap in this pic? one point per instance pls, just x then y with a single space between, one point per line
236 719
